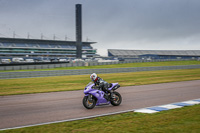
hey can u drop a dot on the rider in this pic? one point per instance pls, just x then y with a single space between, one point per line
100 84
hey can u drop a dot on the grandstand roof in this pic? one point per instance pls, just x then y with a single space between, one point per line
120 52
22 40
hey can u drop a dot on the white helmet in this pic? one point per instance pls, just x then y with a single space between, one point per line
93 77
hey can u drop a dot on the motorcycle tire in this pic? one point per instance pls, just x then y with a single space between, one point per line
117 100
89 104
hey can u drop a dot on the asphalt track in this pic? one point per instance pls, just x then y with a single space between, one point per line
22 110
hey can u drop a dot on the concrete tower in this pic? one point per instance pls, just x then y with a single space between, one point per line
78 31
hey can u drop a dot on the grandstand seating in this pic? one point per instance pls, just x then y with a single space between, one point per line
87 47
7 44
41 45
35 48
20 45
153 53
44 46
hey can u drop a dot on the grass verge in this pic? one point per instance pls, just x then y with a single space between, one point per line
182 120
143 64
78 82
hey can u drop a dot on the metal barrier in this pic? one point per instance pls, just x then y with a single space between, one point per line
92 63
29 74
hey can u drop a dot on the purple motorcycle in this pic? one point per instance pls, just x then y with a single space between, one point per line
98 97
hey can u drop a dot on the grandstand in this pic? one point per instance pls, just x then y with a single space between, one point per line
32 48
154 54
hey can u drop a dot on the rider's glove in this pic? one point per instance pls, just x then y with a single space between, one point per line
96 87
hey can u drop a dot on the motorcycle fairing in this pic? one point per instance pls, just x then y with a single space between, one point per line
98 94
114 86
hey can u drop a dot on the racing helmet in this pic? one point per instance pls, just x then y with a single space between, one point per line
93 77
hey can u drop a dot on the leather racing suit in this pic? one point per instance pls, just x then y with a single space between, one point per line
101 84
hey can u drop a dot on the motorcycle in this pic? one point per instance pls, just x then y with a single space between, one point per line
96 97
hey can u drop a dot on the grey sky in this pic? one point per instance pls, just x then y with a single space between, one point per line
121 24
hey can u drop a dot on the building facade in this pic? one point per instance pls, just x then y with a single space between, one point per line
33 48
154 54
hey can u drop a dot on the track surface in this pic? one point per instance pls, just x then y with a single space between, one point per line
21 110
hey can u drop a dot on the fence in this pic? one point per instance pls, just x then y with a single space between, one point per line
29 74
47 66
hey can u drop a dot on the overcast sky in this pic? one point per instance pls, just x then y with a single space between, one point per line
113 24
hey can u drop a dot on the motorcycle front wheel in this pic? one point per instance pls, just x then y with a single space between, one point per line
89 104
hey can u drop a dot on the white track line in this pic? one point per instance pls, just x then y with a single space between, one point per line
88 117
53 122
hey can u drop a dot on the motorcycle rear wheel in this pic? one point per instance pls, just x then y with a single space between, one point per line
117 100
89 104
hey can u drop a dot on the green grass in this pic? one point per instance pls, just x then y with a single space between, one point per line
143 64
182 120
78 82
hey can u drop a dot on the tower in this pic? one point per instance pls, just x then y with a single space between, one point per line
78 31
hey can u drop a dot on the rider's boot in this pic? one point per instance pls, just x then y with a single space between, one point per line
106 96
